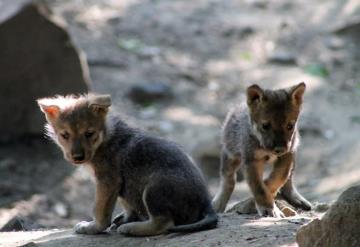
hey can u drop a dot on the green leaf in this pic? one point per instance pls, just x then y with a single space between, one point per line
358 85
317 70
246 55
355 119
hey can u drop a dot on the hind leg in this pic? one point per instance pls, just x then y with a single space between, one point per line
126 216
292 196
154 226
228 169
159 217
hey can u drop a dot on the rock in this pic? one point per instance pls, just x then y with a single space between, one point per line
37 59
334 43
61 210
261 4
233 230
321 207
239 32
145 93
207 154
338 227
247 206
19 223
165 127
282 57
351 26
287 210
14 224
30 244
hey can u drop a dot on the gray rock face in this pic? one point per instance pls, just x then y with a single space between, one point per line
338 227
37 59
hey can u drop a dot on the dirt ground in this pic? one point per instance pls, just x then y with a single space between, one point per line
208 52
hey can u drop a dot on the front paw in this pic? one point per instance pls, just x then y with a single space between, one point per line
85 227
273 211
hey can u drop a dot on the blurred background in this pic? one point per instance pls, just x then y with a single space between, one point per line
173 68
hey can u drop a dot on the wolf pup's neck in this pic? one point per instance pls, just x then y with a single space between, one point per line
116 128
117 135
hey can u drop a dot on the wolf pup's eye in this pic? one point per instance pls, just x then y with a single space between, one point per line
290 126
89 134
266 126
65 135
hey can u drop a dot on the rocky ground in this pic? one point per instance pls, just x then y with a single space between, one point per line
198 57
234 230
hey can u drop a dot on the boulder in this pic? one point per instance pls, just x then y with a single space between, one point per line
282 57
338 227
37 59
20 223
150 92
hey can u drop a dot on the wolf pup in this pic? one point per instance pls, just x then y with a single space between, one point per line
157 184
263 131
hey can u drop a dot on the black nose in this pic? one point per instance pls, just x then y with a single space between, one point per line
279 150
78 156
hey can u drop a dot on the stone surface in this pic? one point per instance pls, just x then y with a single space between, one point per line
338 227
19 223
37 59
247 206
234 230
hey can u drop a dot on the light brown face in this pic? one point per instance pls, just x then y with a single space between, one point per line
79 127
274 115
79 133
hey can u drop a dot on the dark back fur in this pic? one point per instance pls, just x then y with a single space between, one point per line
160 166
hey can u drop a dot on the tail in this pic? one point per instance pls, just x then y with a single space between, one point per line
209 221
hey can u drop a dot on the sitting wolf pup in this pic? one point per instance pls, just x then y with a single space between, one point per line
263 131
158 186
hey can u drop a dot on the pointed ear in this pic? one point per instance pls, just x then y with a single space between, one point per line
100 103
51 111
297 93
254 94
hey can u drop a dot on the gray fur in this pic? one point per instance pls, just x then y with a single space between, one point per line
247 144
157 184
172 184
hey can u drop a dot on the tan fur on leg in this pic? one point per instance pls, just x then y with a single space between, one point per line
279 174
153 226
104 205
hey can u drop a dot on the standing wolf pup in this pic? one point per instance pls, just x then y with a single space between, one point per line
263 131
158 186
